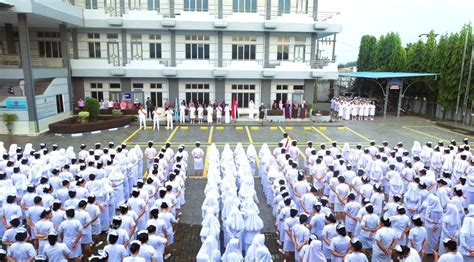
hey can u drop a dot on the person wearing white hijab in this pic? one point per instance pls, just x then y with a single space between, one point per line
232 247
263 255
210 226
313 251
251 253
412 199
252 156
210 248
253 226
234 225
466 238
450 224
432 214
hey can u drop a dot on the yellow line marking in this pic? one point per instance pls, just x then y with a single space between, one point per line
240 128
131 136
322 134
418 126
251 142
255 128
454 132
289 128
273 128
204 128
206 161
184 128
171 135
322 128
307 128
341 128
358 134
220 128
423 133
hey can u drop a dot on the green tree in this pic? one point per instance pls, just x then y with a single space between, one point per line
92 106
391 56
365 58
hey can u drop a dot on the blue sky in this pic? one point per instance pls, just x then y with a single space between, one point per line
409 18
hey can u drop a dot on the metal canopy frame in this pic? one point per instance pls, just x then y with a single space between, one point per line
376 76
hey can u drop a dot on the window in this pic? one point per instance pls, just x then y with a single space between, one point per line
284 6
59 103
49 44
243 99
47 34
157 98
155 86
197 93
99 95
94 49
137 85
245 6
243 87
115 85
136 42
91 4
282 87
298 87
134 4
154 5
154 37
283 48
112 37
197 47
96 85
155 50
302 6
282 97
244 47
196 5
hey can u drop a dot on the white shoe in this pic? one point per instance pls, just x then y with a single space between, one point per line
167 256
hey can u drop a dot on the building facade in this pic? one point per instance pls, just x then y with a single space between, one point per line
54 52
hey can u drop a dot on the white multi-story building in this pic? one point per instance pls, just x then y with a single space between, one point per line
54 52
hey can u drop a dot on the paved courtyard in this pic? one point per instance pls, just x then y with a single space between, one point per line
393 130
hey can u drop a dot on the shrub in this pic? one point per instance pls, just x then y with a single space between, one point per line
134 118
92 106
9 118
117 112
83 115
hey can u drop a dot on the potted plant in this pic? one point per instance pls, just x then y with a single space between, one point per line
9 119
309 109
83 116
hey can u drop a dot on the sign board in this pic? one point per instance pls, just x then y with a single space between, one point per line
16 105
127 96
395 87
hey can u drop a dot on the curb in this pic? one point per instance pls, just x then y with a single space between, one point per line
91 133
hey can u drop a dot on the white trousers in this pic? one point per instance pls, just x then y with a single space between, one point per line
182 118
142 121
156 123
169 123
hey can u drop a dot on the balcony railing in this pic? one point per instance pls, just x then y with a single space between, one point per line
14 61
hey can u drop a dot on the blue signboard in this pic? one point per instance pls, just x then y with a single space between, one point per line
16 105
127 96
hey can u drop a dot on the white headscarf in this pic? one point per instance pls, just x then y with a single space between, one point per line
258 241
253 222
468 226
412 193
451 216
263 150
211 249
251 152
210 226
416 149
12 149
432 204
202 257
3 150
27 149
232 248
346 151
263 255
234 257
396 180
470 211
235 220
315 252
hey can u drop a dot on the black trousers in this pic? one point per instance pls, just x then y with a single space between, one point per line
149 111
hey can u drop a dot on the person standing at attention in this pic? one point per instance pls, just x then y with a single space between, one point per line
149 107
156 119
182 113
198 156
169 118
210 112
218 114
142 117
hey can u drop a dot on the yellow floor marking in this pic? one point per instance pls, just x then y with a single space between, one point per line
341 128
204 128
418 126
255 128
219 128
184 128
322 128
249 135
307 128
171 135
423 133
289 128
273 128
131 136
454 132
206 161
322 134
240 128
358 134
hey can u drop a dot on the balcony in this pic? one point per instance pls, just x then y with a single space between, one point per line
14 61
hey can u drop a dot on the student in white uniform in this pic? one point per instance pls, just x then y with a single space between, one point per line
355 252
134 251
385 242
418 237
156 118
182 113
200 112
142 117
219 114
169 118
21 250
150 154
42 228
70 231
55 251
210 113
406 254
198 156
451 255
227 114
192 113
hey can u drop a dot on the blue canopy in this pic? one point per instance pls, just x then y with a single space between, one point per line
381 75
